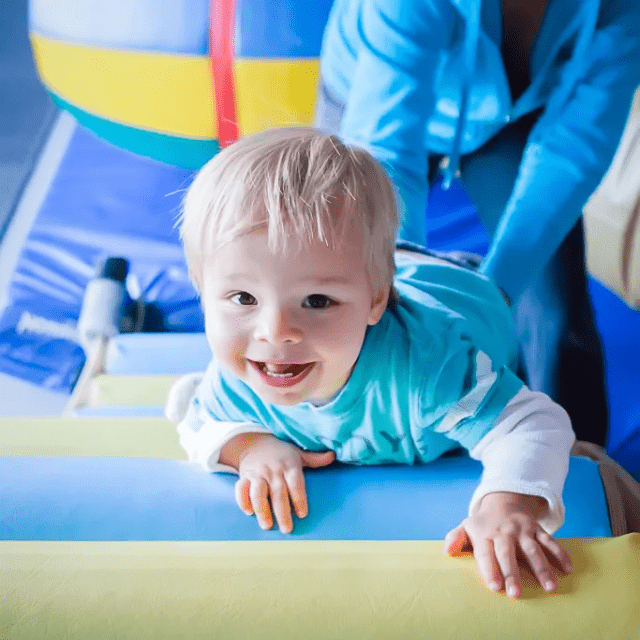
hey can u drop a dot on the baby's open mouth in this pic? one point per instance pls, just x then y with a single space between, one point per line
285 370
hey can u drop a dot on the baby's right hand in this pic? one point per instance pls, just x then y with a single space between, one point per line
271 478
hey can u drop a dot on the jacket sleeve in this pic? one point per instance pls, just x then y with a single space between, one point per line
392 95
527 452
568 152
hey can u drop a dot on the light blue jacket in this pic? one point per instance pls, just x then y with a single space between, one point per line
432 375
416 74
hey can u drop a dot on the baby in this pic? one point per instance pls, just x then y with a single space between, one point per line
332 342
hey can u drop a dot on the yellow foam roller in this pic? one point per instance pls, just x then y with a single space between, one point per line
293 590
127 437
130 390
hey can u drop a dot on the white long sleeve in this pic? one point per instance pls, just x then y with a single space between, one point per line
527 452
201 436
204 444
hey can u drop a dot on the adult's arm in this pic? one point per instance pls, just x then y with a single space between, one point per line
568 153
392 94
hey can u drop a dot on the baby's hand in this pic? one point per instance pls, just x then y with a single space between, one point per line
505 526
271 478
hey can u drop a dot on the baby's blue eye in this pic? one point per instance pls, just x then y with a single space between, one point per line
243 298
317 301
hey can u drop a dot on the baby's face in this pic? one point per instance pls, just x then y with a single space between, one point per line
290 326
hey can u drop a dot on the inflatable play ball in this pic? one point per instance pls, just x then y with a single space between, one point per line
176 79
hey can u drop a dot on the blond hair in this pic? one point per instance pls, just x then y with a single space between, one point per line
296 182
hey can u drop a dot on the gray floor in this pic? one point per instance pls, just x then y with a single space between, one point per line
27 115
26 110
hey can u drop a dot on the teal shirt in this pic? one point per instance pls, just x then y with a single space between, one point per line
432 375
402 67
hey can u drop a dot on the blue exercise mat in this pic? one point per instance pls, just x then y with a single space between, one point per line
64 498
157 353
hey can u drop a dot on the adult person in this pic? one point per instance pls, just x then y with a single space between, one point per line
527 99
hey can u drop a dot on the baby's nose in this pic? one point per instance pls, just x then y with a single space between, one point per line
278 326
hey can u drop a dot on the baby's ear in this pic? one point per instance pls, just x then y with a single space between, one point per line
378 306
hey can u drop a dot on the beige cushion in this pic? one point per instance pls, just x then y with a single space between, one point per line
612 218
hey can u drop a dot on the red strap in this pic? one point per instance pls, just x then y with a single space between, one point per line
221 52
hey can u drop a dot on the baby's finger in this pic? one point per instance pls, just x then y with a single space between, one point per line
242 495
538 562
487 563
280 503
455 540
505 550
297 491
259 493
557 553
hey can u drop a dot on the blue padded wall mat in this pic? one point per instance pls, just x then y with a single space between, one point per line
452 222
102 201
64 498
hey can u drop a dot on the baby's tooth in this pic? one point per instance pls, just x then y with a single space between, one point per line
273 370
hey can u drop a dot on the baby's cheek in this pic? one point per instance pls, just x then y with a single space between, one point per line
233 354
227 348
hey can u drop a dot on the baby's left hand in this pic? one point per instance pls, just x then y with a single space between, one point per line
504 526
